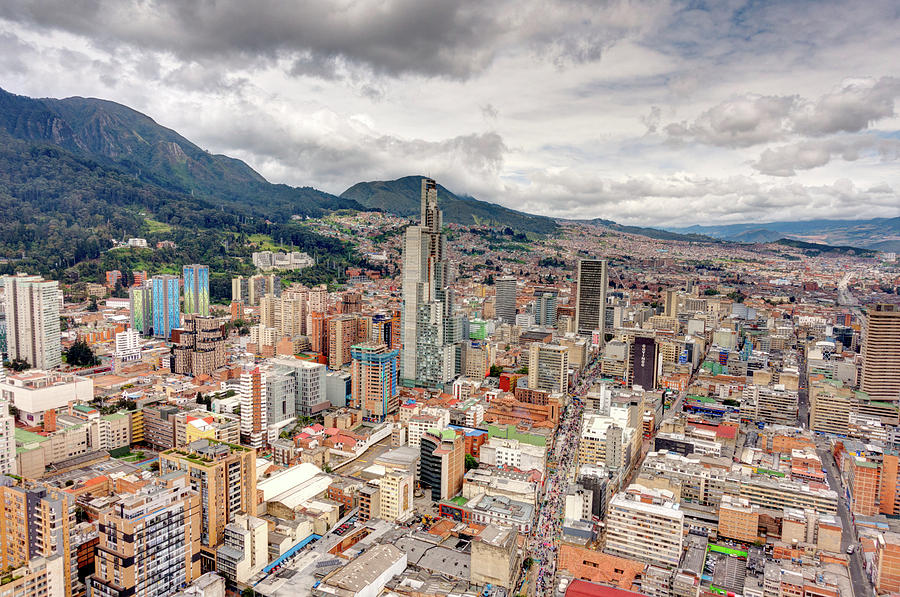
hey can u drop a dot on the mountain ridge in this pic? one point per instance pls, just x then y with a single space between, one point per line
881 234
401 197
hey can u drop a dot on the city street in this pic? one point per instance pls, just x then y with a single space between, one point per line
544 541
861 585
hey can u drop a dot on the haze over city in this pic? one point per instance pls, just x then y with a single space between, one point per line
651 113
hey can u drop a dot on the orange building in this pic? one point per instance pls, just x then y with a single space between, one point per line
508 410
596 566
887 554
865 486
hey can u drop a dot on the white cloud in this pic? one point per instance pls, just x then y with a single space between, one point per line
648 112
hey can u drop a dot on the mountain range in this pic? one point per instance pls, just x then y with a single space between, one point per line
78 173
882 234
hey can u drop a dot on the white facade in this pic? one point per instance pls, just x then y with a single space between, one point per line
128 346
7 441
512 453
246 548
34 392
419 424
647 532
32 320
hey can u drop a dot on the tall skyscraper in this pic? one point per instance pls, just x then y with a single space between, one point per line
590 299
374 379
196 289
166 312
141 298
505 304
881 354
32 320
428 356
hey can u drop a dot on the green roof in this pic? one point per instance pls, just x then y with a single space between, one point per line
115 416
83 408
27 437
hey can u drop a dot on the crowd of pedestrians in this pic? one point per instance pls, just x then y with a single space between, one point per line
544 540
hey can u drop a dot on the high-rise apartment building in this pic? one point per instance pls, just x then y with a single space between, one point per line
671 304
545 309
251 290
38 522
342 334
590 298
198 347
141 302
880 353
32 320
166 310
374 375
505 304
428 356
7 440
287 313
149 540
196 289
548 367
643 525
224 475
442 463
254 410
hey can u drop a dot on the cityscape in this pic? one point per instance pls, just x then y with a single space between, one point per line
553 299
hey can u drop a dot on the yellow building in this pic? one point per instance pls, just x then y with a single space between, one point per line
225 475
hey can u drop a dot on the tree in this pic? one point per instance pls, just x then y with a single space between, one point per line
710 292
471 462
17 365
92 306
523 370
81 355
496 371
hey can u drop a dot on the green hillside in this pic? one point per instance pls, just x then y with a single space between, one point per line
402 197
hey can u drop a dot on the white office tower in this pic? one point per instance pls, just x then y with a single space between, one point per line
32 320
590 299
428 356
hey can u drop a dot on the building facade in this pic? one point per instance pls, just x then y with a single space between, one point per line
590 298
166 310
32 320
196 289
374 379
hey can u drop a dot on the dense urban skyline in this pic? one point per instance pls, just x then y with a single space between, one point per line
641 112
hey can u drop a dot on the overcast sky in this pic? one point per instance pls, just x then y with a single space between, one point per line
657 112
